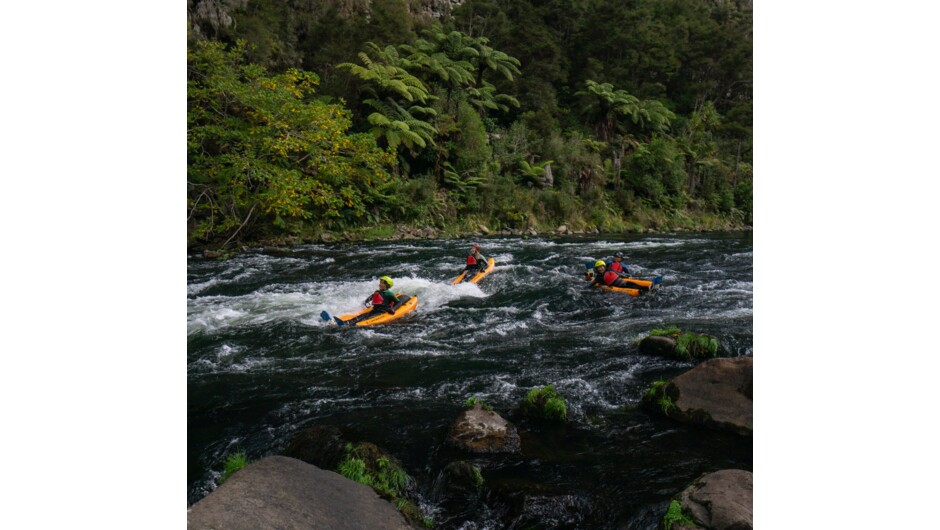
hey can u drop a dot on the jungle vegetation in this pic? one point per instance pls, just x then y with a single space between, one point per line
312 116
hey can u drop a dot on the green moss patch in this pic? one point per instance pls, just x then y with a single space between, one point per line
545 403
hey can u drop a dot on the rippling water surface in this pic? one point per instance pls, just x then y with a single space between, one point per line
262 366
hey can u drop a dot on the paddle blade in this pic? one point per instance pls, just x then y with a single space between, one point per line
338 321
325 316
657 280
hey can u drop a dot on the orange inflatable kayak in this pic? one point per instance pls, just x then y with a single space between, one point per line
648 285
490 264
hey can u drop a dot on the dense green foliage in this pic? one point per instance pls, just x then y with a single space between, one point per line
336 114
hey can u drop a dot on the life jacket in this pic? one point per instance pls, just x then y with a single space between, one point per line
471 260
378 298
610 277
616 267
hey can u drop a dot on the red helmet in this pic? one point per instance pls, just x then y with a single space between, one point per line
475 246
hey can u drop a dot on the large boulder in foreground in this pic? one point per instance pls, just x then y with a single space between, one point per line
723 500
278 492
717 393
483 431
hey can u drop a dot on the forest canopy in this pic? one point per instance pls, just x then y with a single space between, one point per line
333 115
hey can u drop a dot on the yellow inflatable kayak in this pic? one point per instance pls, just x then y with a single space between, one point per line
490 264
408 304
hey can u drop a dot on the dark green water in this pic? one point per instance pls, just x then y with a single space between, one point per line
263 366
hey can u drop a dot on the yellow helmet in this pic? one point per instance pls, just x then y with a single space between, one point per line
388 281
600 263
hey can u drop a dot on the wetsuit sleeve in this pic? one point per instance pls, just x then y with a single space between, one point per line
390 297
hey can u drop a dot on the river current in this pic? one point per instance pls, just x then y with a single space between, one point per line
262 366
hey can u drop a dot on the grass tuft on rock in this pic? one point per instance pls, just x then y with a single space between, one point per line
675 516
691 345
670 331
475 401
232 464
657 397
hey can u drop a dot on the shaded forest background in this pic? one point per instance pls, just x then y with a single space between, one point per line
314 116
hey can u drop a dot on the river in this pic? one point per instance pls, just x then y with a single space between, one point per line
262 365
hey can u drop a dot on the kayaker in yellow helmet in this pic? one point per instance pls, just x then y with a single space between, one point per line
383 300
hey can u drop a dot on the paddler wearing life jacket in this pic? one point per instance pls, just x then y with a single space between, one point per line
476 262
605 276
383 301
617 265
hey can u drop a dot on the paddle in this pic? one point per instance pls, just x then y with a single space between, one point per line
326 317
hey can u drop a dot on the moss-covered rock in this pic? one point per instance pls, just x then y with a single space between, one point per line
723 500
545 403
715 394
368 464
463 476
673 342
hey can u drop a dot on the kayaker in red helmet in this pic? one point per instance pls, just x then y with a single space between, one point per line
476 262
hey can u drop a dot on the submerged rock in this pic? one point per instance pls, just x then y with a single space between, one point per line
463 477
552 511
321 445
483 431
658 345
716 393
723 500
280 492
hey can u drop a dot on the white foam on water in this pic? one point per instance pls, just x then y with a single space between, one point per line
196 288
303 302
505 328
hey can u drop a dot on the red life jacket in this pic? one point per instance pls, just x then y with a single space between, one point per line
471 260
377 298
616 266
610 277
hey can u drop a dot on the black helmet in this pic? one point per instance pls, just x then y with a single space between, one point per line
618 255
